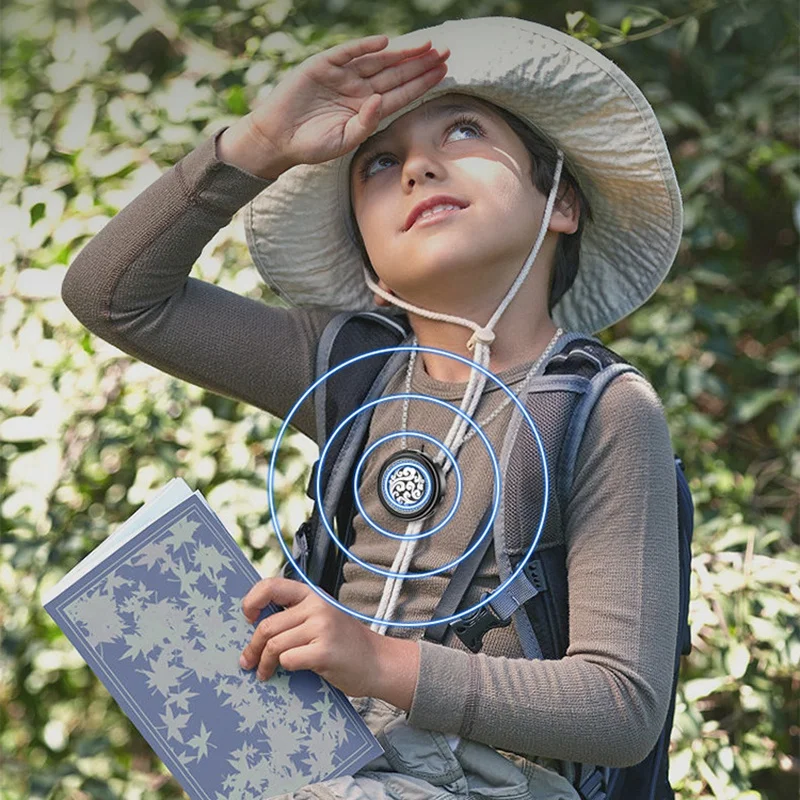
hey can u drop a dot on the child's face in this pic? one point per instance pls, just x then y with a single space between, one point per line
477 250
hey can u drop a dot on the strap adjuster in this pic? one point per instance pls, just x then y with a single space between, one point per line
472 628
534 572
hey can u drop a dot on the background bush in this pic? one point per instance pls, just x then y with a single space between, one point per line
100 98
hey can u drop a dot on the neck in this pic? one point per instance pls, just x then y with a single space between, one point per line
521 336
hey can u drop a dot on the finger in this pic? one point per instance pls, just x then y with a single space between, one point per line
363 124
305 656
341 54
351 51
401 96
277 647
395 76
273 625
370 64
282 591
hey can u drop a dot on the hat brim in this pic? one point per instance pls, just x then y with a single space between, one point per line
298 229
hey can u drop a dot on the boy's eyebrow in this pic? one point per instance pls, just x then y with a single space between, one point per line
434 112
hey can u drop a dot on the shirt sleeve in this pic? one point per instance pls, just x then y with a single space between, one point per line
130 285
606 701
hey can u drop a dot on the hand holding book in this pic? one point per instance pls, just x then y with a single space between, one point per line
156 612
311 633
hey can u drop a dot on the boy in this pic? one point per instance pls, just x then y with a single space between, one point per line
458 235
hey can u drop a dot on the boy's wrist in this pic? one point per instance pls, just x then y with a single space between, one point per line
237 147
396 671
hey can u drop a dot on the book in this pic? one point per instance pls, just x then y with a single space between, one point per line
155 611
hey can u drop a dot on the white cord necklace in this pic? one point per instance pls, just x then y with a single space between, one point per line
411 484
410 371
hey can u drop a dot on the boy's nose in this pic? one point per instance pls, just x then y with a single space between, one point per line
429 175
421 167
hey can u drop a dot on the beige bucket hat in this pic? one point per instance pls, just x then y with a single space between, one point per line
299 232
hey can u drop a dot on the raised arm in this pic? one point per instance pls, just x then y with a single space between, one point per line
130 286
130 283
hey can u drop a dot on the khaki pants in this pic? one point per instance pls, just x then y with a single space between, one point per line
419 765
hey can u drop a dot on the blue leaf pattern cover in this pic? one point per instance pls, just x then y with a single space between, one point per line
159 620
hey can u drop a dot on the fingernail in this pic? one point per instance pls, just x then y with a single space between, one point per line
242 661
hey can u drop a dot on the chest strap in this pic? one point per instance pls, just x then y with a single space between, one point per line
496 613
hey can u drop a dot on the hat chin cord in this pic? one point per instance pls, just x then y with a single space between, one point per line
480 344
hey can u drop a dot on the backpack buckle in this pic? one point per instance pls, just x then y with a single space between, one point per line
471 629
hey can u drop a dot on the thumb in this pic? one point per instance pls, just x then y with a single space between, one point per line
363 124
281 591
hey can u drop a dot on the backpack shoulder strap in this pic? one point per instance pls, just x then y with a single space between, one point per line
541 587
345 337
601 366
576 357
348 339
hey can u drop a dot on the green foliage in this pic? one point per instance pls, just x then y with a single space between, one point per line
99 98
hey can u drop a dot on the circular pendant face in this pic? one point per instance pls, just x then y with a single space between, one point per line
410 485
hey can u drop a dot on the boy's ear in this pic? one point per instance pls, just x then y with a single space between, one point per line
566 211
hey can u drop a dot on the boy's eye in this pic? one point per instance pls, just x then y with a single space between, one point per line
366 169
466 123
461 124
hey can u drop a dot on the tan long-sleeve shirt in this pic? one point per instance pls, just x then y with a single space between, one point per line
606 701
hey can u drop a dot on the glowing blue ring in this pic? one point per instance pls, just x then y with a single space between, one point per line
412 536
271 485
388 573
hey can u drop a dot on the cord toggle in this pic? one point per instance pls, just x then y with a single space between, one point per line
482 335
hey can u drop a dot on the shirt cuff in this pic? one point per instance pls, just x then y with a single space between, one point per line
216 183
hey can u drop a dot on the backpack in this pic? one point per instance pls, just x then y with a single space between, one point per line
537 599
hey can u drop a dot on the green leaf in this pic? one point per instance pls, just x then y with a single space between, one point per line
112 163
641 16
687 36
788 424
98 789
737 659
687 117
703 687
37 211
74 133
753 403
785 362
592 26
723 25
700 170
573 19
736 536
765 630
86 343
727 19
712 275
92 745
237 101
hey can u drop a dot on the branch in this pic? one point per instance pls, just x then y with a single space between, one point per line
665 26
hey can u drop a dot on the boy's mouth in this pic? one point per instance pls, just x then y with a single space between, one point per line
433 209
